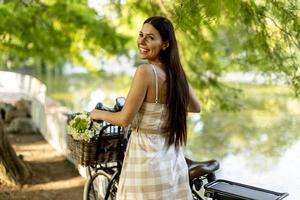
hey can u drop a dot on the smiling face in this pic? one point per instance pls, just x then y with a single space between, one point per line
150 43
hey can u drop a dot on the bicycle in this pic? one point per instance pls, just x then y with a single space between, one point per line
103 178
107 173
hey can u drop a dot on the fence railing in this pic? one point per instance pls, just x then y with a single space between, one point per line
50 118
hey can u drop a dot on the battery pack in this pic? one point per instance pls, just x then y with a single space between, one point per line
228 190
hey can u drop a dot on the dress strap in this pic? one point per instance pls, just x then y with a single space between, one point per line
156 84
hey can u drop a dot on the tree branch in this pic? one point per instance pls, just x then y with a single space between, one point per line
163 9
285 31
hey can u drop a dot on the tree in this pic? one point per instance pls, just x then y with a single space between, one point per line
215 37
12 169
220 36
47 33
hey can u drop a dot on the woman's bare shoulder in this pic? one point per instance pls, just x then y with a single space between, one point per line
144 70
146 66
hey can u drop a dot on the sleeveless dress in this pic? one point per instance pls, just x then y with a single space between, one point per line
152 170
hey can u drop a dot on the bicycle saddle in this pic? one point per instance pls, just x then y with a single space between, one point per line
197 169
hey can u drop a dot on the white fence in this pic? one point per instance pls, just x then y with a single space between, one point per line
48 116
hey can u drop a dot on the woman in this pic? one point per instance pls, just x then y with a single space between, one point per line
157 104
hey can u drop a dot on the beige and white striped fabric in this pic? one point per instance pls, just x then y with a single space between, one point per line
151 170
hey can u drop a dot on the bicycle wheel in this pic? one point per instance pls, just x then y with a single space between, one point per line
98 185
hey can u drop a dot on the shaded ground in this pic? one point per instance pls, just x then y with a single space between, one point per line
54 178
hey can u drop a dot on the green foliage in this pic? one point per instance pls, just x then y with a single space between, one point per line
215 37
55 32
219 36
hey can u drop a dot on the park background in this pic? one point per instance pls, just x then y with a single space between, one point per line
241 57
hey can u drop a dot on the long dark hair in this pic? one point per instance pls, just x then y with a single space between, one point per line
178 89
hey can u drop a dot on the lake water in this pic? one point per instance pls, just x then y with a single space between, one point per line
258 145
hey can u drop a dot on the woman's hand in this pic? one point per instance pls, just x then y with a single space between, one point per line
95 114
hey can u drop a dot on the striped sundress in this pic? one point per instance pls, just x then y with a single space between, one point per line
151 170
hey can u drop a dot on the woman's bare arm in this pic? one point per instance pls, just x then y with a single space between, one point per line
133 101
194 105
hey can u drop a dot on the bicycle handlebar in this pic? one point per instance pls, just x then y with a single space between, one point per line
120 101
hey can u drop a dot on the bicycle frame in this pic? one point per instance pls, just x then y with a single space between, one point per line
198 183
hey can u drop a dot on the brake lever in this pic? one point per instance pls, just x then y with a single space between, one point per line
91 123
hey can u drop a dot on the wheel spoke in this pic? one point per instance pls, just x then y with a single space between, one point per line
96 186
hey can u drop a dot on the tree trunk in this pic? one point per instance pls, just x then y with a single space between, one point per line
13 171
43 67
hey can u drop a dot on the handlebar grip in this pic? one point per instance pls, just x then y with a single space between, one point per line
100 106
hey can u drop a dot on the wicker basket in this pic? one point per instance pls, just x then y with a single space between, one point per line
106 148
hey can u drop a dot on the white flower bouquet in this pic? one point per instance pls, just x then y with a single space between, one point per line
79 127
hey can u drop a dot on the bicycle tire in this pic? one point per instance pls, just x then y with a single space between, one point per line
97 186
